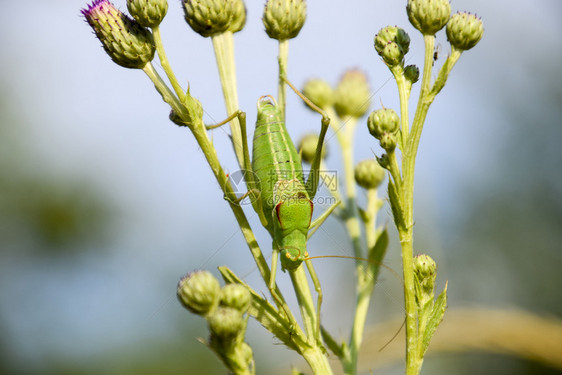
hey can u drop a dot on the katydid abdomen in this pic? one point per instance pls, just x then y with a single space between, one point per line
285 201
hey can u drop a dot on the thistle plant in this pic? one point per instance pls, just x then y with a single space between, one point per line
281 193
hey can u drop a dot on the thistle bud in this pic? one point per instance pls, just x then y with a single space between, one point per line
238 16
464 30
283 19
428 16
369 174
412 73
425 270
388 141
148 13
235 296
307 148
352 96
319 92
211 17
199 292
125 40
383 121
225 323
400 44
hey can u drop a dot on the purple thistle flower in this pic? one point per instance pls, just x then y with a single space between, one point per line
124 39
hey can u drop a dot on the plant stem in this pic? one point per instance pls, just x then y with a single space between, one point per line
306 304
317 360
167 94
165 63
223 45
413 358
403 94
365 283
345 138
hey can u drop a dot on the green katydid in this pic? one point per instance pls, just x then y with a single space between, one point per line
278 190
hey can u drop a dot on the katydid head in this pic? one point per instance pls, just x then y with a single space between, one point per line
291 220
267 108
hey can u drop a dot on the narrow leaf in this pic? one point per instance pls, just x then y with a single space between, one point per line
397 212
435 318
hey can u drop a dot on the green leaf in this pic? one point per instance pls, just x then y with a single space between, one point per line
397 212
266 314
435 319
332 344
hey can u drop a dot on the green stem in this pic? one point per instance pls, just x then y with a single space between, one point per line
315 355
167 94
364 283
165 63
413 358
317 360
345 138
365 286
283 58
223 45
403 94
306 304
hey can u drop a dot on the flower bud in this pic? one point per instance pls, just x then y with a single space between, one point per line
464 30
235 296
352 96
238 16
392 34
125 40
319 92
307 147
369 174
225 323
199 292
383 121
388 141
148 13
283 19
428 16
211 17
412 73
425 270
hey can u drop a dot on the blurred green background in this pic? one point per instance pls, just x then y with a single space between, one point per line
105 204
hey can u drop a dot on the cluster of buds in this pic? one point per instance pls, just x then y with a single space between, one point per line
125 40
464 30
369 174
384 125
213 17
224 309
284 19
350 98
392 44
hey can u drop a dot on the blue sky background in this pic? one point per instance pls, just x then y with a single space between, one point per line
80 116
